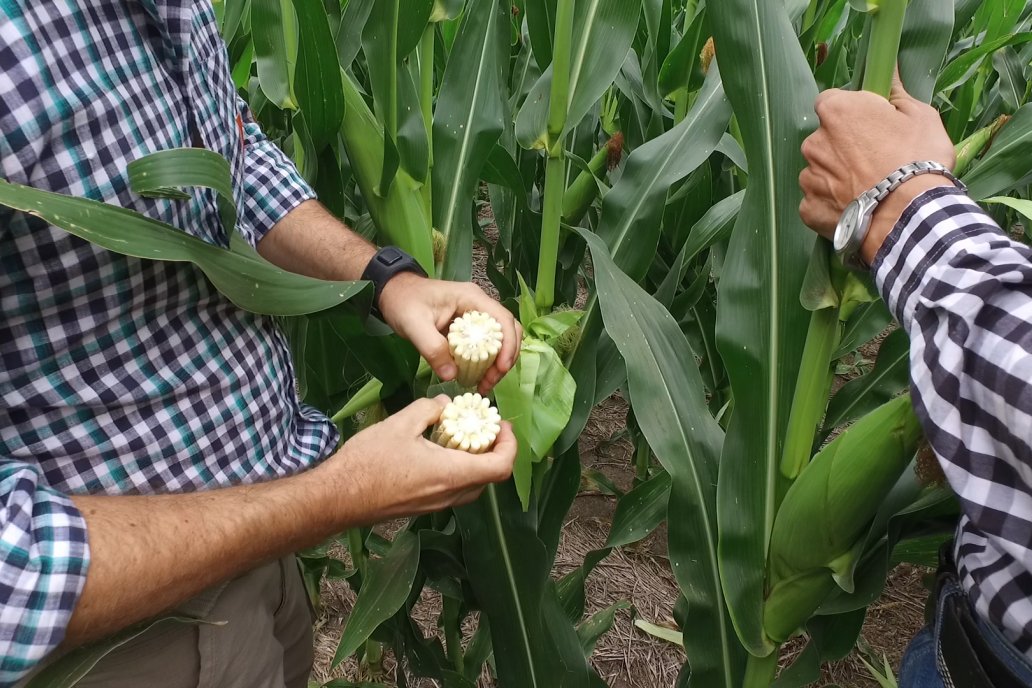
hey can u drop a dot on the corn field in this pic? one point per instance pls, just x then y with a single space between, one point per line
630 169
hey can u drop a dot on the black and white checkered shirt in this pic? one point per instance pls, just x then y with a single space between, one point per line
120 375
963 291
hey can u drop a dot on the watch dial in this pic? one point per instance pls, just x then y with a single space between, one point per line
847 225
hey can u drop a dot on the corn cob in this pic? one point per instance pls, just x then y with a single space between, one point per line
474 339
828 510
468 423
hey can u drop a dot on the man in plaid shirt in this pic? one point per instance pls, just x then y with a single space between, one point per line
152 447
963 291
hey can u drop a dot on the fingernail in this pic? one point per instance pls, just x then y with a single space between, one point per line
449 371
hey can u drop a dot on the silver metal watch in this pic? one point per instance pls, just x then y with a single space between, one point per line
855 222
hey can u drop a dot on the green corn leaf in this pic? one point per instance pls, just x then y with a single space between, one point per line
541 25
867 322
508 570
445 9
661 632
761 325
536 396
1012 84
631 218
714 226
401 214
164 175
275 33
640 511
593 628
467 124
890 376
830 638
1021 205
630 223
681 68
961 69
352 26
669 404
385 587
247 279
927 32
74 666
603 35
317 81
1007 163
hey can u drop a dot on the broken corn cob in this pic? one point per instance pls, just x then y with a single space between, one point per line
475 339
468 423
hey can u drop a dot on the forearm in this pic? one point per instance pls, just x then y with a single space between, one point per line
310 241
150 553
963 291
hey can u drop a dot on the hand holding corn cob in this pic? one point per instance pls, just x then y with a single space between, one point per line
468 423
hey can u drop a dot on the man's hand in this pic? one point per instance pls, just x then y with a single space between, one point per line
177 545
390 470
863 138
421 309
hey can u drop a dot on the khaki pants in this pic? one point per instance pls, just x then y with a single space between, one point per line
266 641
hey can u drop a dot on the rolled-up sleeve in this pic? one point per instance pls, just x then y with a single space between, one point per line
272 184
44 555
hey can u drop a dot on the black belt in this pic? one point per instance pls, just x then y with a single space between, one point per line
969 659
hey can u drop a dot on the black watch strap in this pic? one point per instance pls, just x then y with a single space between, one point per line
388 262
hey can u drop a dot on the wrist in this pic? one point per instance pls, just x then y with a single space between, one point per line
891 209
385 267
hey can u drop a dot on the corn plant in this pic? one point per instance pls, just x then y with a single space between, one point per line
637 161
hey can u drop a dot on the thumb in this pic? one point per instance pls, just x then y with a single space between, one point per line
899 94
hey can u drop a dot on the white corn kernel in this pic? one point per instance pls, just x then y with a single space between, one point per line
468 423
474 338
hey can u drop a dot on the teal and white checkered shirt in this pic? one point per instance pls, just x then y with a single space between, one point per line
118 375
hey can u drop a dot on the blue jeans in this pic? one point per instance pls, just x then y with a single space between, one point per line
918 668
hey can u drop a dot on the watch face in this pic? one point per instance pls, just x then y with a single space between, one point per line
847 225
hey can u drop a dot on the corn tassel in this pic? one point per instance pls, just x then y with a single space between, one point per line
474 339
468 423
828 510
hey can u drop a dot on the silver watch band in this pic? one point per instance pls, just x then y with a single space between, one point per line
871 198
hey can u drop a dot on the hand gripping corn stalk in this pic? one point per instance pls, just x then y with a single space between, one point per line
468 423
474 339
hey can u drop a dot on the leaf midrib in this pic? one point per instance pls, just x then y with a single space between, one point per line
697 484
582 49
510 578
774 350
467 130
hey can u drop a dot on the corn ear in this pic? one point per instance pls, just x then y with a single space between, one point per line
973 146
474 339
584 189
468 423
829 508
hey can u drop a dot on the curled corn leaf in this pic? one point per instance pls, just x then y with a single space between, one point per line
468 423
474 339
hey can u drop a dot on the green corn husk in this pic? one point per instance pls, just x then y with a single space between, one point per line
584 189
829 508
401 214
973 146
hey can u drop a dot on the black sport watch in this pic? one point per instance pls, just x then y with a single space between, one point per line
388 262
